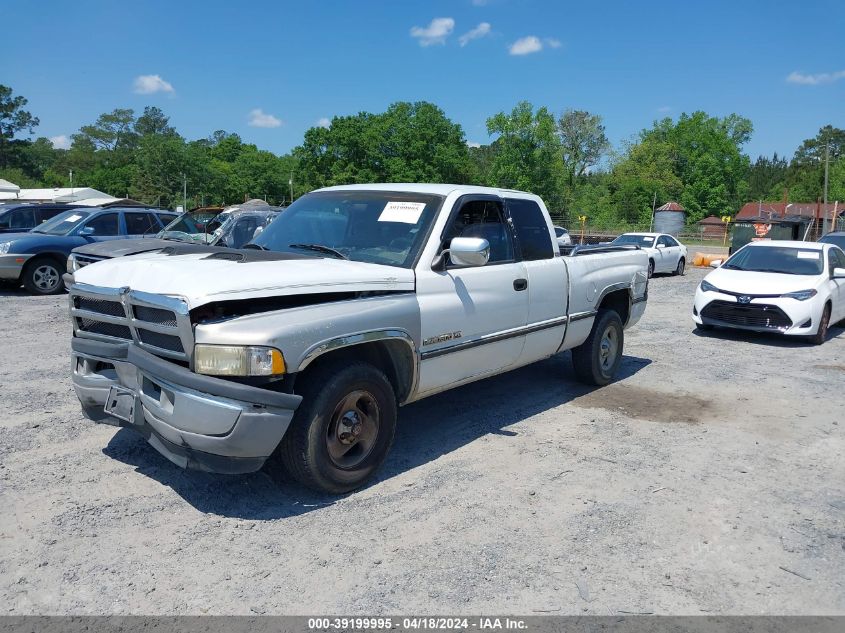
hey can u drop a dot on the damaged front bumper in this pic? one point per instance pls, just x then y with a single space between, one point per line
195 421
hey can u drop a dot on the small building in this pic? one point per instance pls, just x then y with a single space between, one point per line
712 227
670 218
55 194
813 213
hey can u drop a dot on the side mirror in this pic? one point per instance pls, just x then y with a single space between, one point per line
838 273
85 231
715 263
464 251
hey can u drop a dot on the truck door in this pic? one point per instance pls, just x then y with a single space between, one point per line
472 317
548 290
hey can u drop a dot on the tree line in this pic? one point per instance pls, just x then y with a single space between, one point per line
696 159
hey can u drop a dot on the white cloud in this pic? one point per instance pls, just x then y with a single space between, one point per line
553 42
482 30
814 80
526 45
473 144
435 33
60 142
259 118
150 84
324 122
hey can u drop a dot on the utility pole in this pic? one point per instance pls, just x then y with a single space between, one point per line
71 184
826 169
653 204
290 182
184 192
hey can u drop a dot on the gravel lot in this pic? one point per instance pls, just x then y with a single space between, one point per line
709 479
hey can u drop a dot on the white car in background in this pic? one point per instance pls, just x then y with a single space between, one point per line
665 253
563 237
792 288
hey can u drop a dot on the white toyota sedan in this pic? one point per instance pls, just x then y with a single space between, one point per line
665 253
792 288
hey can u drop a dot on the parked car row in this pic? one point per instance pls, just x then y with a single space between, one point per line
67 237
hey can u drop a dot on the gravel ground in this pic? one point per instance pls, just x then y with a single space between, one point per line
709 479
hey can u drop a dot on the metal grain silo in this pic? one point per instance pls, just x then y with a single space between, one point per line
670 218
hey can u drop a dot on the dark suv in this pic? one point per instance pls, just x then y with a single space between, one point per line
23 216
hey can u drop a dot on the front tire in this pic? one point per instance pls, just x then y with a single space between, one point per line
650 268
344 428
597 359
679 271
43 276
821 335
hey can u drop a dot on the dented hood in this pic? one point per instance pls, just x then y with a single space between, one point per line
204 277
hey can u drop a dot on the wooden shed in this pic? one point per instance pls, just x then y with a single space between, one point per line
711 226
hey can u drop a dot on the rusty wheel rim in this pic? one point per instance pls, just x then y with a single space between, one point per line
353 429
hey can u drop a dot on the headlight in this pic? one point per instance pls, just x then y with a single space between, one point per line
800 295
4 247
236 360
708 287
72 264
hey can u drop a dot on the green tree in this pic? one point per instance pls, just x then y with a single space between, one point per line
13 119
111 131
409 142
153 121
527 153
583 144
766 175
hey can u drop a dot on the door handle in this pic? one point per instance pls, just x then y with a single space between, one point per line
520 284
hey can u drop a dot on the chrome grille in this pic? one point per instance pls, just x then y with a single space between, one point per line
84 260
111 308
155 315
159 324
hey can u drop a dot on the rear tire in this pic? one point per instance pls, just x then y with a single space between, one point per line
597 359
344 428
679 271
650 268
43 276
821 335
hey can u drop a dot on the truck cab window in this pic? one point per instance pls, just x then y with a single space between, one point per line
532 232
484 219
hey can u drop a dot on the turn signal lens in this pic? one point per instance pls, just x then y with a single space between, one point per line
236 360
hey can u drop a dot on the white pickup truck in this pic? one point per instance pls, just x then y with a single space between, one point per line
355 300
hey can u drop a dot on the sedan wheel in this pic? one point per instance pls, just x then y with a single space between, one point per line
679 271
44 277
819 337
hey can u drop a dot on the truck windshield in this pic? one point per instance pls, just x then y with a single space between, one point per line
63 223
777 259
379 227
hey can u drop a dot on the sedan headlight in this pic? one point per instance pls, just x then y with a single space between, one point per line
800 295
4 247
72 264
237 360
706 286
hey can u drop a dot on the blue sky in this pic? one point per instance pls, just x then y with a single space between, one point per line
270 70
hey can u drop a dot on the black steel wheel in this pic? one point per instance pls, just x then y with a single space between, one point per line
344 428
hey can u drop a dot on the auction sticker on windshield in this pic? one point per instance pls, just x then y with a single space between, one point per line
407 212
808 255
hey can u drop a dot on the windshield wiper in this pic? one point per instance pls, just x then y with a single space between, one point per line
320 249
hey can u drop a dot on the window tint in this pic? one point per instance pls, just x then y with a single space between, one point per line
167 218
532 232
20 219
105 224
670 241
484 219
837 259
44 214
140 223
559 232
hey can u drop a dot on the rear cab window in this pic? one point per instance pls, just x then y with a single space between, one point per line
532 231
